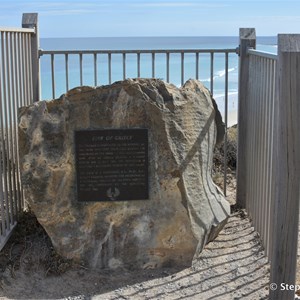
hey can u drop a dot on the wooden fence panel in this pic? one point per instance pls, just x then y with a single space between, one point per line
286 208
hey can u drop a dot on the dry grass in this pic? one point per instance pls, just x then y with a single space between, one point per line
30 248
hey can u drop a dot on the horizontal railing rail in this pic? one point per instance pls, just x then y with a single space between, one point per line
262 54
17 30
228 50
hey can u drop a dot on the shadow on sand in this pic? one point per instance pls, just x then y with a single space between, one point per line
233 266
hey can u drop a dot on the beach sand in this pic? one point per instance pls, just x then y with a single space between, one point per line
232 108
232 118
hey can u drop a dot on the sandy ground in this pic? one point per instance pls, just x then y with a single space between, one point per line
231 267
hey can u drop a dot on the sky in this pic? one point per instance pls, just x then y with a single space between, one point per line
114 18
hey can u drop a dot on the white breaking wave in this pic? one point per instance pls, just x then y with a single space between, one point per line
218 74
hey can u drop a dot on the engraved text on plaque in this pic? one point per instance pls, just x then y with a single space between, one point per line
112 164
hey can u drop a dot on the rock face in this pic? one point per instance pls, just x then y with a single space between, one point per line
185 209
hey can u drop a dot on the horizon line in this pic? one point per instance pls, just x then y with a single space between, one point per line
150 36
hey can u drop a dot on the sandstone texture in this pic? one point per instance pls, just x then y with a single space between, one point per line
185 209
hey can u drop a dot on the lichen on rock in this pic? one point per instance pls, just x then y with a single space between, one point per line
185 208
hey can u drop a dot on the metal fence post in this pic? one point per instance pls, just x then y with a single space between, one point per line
287 143
247 40
30 20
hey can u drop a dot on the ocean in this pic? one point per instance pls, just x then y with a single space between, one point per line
150 43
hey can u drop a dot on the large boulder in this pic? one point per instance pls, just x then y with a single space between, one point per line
185 209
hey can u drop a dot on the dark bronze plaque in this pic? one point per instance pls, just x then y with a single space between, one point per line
112 164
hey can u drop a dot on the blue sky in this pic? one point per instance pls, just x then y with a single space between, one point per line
90 18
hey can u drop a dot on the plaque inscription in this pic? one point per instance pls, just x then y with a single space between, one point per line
112 164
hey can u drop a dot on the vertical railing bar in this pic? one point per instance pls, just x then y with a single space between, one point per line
24 58
23 51
30 81
124 65
7 170
267 167
226 123
28 70
20 102
80 69
256 148
53 76
259 160
255 137
15 109
21 95
95 70
109 68
249 186
270 157
11 99
13 132
250 161
266 156
254 108
182 68
197 65
138 64
261 143
168 66
2 153
15 128
248 141
67 70
21 73
212 73
262 146
153 64
272 183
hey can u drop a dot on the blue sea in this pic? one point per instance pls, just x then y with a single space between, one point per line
141 43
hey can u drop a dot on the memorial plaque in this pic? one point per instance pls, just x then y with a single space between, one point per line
112 164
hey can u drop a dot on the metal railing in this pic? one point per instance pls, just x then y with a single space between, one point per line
268 175
95 65
15 91
260 143
136 57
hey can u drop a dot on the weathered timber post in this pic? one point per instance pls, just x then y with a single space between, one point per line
30 20
287 143
247 40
